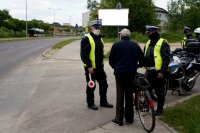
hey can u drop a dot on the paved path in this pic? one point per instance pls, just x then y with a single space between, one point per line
48 96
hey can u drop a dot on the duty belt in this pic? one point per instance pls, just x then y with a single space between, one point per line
150 68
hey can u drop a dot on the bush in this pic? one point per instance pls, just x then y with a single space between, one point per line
173 36
139 37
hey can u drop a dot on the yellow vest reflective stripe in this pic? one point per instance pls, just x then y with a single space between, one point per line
157 54
183 42
92 51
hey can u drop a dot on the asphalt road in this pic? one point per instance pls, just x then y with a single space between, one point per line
13 54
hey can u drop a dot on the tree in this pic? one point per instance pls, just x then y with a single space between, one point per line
184 12
76 28
17 25
141 13
191 17
176 10
10 25
4 15
92 5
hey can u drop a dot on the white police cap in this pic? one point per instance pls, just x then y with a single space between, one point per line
96 23
186 28
151 28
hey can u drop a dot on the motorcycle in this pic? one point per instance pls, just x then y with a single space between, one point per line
184 69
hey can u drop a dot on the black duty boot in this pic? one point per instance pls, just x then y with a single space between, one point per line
93 107
106 104
158 112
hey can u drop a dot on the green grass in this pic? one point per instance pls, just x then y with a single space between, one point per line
107 55
110 40
139 37
173 36
184 117
14 39
63 43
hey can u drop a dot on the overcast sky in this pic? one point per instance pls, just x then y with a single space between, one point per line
66 11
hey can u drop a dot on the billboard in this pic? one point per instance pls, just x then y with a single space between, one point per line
114 17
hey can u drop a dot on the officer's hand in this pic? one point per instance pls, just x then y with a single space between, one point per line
91 70
160 75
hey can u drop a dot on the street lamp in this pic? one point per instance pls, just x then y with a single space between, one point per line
54 14
26 21
70 18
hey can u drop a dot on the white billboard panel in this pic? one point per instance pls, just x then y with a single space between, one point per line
114 17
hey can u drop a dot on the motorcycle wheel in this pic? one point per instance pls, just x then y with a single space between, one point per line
189 85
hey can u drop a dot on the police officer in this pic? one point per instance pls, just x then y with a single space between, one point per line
188 35
92 57
157 58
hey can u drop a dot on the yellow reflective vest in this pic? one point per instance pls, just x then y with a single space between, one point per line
183 42
92 51
157 54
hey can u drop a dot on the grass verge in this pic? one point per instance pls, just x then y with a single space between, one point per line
184 117
14 39
63 43
110 40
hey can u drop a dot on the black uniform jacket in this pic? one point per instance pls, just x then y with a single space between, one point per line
165 54
86 47
125 57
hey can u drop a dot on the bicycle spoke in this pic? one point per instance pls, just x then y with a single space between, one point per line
146 112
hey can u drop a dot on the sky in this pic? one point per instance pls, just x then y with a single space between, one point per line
66 11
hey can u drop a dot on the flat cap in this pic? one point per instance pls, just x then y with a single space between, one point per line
151 28
96 23
125 32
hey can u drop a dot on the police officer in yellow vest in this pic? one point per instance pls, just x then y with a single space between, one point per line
157 58
92 57
188 35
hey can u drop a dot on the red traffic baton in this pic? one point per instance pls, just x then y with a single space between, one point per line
91 83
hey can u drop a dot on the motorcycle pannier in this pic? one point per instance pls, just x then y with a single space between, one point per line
193 47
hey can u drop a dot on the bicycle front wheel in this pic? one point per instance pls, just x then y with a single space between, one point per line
145 111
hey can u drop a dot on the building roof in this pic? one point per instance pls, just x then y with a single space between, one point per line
158 9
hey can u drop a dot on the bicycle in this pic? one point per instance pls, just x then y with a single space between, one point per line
144 105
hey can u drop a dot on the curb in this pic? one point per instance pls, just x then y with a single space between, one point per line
172 130
44 53
50 57
171 105
181 100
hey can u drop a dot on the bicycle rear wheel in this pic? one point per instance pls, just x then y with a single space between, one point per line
145 109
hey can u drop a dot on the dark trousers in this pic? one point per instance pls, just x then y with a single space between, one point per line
99 75
158 85
124 92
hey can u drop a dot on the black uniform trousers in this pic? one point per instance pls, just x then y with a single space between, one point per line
124 91
99 75
158 85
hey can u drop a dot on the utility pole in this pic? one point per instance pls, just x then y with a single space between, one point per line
54 14
26 21
118 6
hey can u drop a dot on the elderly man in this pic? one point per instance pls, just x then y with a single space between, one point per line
125 57
157 58
92 57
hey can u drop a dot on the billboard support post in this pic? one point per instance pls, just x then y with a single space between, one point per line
118 6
